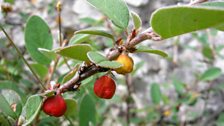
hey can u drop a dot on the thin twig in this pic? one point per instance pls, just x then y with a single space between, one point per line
59 21
20 54
52 70
61 44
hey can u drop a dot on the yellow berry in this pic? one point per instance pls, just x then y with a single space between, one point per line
127 63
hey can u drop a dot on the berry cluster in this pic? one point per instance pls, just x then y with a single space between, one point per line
104 87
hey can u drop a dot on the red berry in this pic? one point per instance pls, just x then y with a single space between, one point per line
104 87
54 106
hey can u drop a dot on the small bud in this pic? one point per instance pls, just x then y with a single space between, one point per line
58 6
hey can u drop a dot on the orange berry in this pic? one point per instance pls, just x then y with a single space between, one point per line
127 63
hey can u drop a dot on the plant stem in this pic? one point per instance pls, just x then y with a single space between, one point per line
21 55
61 44
51 71
59 21
129 102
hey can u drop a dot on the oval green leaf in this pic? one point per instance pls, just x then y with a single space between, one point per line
38 35
95 32
110 64
87 112
136 19
5 107
152 51
4 121
208 52
31 109
72 108
48 53
40 69
71 74
172 21
216 4
96 57
179 86
211 74
12 86
79 38
116 10
155 93
77 52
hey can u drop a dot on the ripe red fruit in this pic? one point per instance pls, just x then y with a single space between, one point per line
105 87
54 106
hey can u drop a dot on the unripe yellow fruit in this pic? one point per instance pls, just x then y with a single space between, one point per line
127 63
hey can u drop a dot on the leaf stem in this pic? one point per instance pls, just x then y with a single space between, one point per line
21 55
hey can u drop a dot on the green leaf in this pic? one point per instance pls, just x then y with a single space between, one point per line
110 64
207 52
70 74
179 86
12 86
116 10
155 93
50 121
4 121
40 69
152 51
136 19
5 107
96 57
10 1
220 27
89 20
176 20
77 52
38 35
211 74
87 112
48 53
72 108
95 32
13 98
31 109
214 4
220 120
79 38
